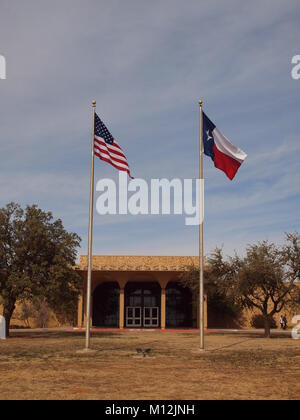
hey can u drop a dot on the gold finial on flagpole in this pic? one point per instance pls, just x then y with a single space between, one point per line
94 102
200 102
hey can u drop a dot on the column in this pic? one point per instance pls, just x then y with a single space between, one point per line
121 309
92 304
163 308
80 310
205 310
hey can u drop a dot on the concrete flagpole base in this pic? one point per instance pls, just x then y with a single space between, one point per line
199 351
86 352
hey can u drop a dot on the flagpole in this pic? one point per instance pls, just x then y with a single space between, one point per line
90 239
201 236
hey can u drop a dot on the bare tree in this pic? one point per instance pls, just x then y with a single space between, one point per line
266 278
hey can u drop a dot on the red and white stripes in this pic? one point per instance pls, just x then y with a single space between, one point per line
111 153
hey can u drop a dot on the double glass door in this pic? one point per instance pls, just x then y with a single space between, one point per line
142 305
135 317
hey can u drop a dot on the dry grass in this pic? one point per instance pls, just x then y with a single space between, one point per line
46 366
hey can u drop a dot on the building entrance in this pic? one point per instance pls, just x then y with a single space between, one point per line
142 305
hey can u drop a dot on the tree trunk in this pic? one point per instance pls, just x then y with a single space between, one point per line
8 310
267 326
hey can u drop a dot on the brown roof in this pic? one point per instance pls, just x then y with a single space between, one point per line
138 263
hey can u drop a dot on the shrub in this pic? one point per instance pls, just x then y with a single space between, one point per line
257 321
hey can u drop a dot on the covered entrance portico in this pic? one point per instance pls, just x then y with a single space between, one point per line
138 292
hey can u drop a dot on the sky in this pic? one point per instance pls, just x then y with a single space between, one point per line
147 64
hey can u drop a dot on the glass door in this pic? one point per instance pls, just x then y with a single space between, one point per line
133 316
151 316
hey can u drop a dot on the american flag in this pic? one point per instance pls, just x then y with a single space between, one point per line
107 149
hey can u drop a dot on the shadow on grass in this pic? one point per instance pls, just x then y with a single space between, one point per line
63 335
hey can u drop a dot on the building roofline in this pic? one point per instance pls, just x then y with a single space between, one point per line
138 263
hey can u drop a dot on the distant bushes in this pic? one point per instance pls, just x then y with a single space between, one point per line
36 313
19 327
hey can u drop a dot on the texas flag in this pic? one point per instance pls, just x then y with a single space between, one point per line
224 154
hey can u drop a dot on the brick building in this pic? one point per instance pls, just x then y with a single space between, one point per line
139 292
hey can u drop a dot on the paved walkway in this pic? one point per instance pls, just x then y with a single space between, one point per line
276 333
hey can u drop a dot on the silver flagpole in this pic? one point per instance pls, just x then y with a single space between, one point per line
201 236
90 244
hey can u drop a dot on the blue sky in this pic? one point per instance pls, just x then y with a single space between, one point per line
147 64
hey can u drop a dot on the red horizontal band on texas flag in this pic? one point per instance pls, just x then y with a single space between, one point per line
226 157
225 163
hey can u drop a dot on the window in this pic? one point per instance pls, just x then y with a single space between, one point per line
178 306
106 305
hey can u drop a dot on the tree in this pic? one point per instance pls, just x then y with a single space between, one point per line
265 279
220 294
25 312
42 313
66 313
37 256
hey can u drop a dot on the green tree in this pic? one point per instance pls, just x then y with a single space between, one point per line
37 256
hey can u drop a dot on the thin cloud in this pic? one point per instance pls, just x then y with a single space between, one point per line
147 65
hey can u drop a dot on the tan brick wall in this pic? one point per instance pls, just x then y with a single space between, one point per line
53 323
290 313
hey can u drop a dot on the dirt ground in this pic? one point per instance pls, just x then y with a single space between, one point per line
47 366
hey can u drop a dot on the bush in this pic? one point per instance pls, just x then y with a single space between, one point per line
42 313
24 313
19 327
223 304
257 321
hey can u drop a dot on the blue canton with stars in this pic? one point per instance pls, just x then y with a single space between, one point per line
208 139
102 131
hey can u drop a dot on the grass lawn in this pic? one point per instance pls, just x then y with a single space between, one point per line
46 366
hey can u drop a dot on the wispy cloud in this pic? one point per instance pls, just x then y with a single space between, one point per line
147 64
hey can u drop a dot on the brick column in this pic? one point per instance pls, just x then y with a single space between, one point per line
121 309
163 309
205 310
80 310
